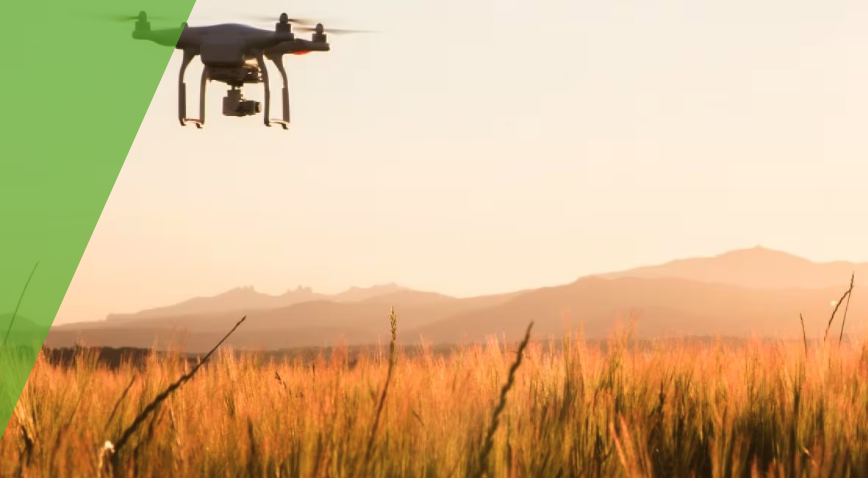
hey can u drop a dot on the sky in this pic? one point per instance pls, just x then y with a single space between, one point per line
475 147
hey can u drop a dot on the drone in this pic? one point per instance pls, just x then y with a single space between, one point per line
235 54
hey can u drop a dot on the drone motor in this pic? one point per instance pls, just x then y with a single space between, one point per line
142 23
283 26
234 104
319 35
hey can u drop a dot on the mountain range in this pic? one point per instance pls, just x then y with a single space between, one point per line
248 299
738 293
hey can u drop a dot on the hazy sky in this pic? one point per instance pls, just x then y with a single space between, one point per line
480 146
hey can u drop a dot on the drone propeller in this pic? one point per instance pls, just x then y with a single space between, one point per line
320 29
284 18
142 16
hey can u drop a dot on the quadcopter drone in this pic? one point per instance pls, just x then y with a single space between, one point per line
235 54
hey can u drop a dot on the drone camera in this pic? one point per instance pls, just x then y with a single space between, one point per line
234 104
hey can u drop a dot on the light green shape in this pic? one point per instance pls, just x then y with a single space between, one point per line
76 87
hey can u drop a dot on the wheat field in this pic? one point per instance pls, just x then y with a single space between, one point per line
558 408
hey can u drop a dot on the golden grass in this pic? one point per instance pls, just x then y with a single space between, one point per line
566 409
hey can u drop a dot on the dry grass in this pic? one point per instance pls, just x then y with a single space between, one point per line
755 409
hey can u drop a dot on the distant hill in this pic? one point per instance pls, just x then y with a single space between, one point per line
665 307
23 329
755 267
355 294
737 293
245 299
315 323
21 323
241 298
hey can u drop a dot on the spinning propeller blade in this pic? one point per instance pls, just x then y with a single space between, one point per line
275 19
130 18
336 31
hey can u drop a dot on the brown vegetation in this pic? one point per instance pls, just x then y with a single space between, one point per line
567 409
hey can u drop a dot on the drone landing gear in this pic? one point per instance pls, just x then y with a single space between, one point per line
278 61
182 94
234 104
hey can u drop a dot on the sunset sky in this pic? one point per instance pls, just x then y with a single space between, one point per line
475 147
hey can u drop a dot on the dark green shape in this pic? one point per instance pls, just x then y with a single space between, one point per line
76 87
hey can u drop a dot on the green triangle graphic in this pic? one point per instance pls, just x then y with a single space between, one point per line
77 87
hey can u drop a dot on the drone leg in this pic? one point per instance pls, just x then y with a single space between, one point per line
203 86
182 88
268 121
279 63
182 92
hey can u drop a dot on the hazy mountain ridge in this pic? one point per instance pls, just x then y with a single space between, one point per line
728 294
756 267
247 299
20 331
664 307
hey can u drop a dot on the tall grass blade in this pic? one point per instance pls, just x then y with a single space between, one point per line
18 306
